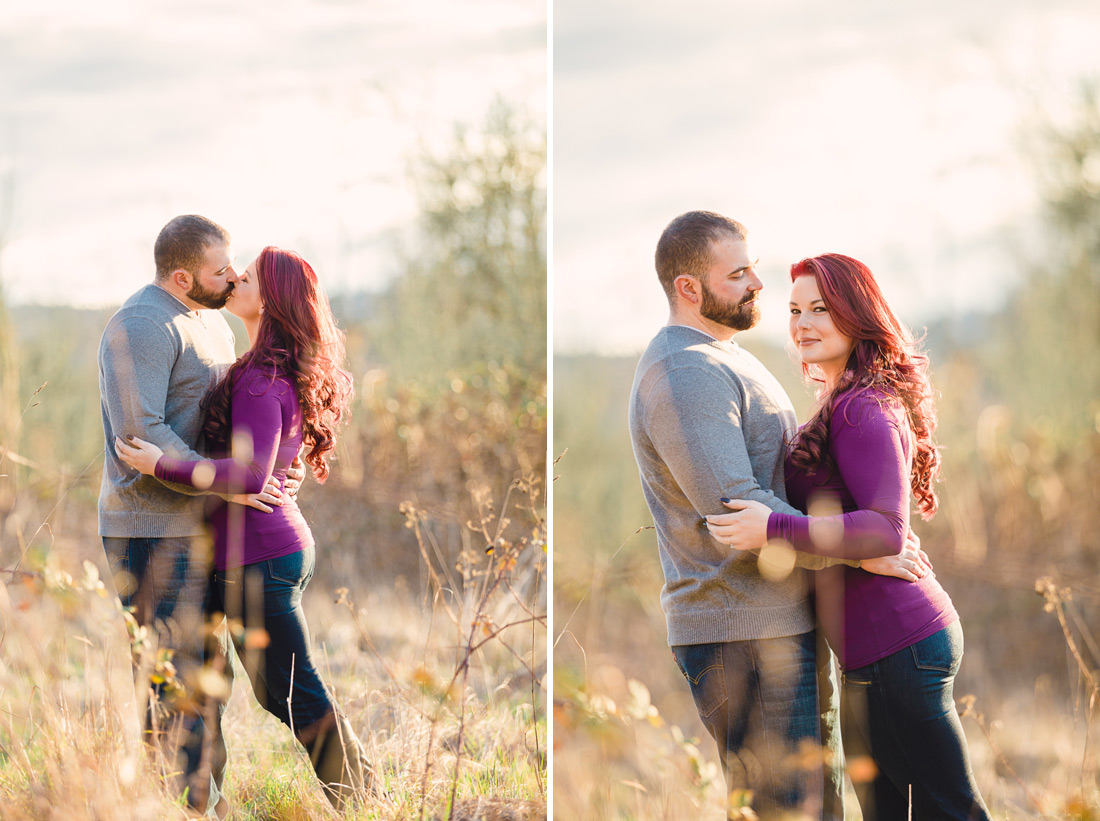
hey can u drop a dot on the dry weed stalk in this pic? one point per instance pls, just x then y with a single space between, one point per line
487 583
1056 600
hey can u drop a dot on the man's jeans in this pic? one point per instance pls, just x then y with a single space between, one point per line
165 581
758 699
901 712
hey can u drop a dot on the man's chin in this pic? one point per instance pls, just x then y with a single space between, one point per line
212 302
742 320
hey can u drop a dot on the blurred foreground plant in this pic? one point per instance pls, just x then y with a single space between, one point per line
497 594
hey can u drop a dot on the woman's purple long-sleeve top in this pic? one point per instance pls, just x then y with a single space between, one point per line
266 416
866 617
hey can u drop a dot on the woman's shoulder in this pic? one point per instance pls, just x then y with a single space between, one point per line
867 405
261 379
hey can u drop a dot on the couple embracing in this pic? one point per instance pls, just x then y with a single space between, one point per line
755 587
200 442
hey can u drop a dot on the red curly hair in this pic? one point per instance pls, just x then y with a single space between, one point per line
298 339
885 358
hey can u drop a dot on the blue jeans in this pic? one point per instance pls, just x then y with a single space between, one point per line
262 604
267 597
165 581
900 711
758 700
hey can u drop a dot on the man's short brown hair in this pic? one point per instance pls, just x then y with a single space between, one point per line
182 243
685 245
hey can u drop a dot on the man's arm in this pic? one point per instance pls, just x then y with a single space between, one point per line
136 364
695 423
693 418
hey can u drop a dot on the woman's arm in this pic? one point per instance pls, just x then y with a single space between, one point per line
256 422
869 453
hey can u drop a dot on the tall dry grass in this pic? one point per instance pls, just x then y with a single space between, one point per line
628 741
434 645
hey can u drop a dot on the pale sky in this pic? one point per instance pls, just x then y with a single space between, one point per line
290 122
891 132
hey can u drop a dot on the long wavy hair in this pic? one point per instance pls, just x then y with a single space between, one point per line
885 358
299 340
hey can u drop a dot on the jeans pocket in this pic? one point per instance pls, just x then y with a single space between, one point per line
941 652
859 677
290 569
701 665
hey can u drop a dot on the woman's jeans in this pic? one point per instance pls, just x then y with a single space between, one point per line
758 700
262 603
900 712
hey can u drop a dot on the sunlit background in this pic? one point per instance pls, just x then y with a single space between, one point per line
401 147
955 148
289 122
892 132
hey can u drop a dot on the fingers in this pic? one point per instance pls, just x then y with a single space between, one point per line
721 519
737 504
264 496
725 535
123 451
272 489
916 560
256 503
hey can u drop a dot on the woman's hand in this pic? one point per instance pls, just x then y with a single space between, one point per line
746 529
142 456
295 475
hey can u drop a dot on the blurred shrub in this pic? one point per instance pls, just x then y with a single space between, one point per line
474 285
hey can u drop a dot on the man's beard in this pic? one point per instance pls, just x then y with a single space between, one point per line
207 298
738 317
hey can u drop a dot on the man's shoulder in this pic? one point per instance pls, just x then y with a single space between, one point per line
685 370
678 346
148 305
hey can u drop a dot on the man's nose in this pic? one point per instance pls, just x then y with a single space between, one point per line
232 276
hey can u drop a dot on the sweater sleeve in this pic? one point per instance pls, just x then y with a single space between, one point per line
869 449
136 362
257 415
693 419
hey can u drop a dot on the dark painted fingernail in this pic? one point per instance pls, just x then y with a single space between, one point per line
724 499
129 437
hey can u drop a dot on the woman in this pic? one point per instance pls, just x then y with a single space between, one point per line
287 391
865 448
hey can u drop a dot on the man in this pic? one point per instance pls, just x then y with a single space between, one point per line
159 355
708 422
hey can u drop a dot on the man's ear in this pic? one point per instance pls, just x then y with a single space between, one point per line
181 277
687 288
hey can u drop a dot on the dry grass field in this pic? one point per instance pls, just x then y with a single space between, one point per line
444 683
628 743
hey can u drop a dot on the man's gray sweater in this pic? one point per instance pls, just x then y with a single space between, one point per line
708 421
157 360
